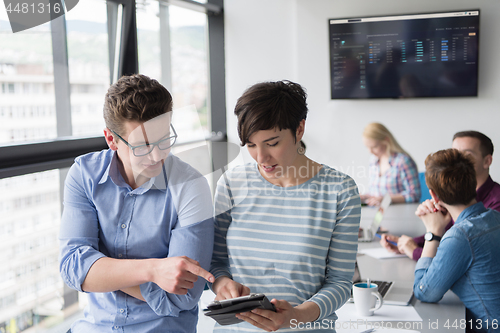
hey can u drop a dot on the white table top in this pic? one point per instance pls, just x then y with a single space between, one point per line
398 219
401 219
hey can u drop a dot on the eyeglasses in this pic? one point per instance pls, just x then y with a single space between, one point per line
145 149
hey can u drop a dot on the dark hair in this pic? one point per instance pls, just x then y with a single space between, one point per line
269 105
486 145
135 98
451 175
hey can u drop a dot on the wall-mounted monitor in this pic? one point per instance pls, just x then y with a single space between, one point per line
417 55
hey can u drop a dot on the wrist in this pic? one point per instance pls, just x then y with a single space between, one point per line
408 250
430 249
149 270
431 237
218 283
306 312
436 231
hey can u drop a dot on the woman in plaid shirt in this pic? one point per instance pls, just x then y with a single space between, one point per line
391 171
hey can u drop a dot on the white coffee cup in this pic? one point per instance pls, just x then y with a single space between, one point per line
365 297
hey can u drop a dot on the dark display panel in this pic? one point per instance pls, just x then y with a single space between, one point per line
424 55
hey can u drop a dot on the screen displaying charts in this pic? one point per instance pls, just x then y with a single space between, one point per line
417 55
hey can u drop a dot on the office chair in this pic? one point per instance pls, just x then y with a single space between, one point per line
423 187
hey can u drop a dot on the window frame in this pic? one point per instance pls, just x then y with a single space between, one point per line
59 153
24 158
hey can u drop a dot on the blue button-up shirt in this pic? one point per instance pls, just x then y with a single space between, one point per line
468 263
104 217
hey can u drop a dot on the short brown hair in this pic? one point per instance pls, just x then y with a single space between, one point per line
450 174
268 105
485 144
135 98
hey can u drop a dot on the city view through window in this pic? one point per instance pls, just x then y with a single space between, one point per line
31 290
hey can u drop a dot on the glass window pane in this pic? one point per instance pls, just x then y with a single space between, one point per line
148 39
188 54
27 99
188 32
88 63
30 284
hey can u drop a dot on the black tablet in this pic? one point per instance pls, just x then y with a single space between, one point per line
224 311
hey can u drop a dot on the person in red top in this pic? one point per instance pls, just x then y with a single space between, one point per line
480 147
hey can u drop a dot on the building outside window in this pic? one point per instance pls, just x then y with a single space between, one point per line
31 290
27 100
88 63
30 284
188 81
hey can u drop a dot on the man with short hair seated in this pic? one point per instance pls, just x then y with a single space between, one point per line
480 147
466 258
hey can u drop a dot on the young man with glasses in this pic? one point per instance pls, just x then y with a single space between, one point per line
137 226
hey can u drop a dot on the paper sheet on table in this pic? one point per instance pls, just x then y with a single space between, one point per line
348 313
381 253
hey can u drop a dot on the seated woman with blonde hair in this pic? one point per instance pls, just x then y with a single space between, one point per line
391 171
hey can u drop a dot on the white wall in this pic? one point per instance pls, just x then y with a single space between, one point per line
288 39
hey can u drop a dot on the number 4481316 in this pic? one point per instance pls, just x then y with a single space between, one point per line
33 8
472 324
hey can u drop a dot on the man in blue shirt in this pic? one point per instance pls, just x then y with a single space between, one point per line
465 259
137 225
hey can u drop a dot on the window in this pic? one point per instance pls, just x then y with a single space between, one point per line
29 276
88 63
177 57
188 32
25 67
32 172
148 39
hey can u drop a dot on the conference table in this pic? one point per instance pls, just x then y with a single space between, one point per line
398 219
401 219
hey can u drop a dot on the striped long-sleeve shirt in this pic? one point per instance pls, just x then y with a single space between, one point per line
294 243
